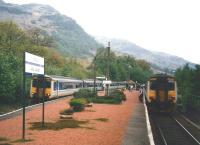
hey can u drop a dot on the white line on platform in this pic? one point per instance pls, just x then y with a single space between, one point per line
149 131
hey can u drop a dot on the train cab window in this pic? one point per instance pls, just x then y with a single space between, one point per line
35 82
48 84
153 85
170 85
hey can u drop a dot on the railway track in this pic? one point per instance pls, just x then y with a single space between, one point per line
174 130
193 115
28 108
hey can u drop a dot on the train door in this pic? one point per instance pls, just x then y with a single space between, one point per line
161 91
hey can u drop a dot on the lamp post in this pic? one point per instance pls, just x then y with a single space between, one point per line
129 72
94 70
94 89
108 68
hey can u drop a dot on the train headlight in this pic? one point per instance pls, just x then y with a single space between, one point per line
172 98
151 98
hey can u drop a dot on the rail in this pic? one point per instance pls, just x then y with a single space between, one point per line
170 131
189 134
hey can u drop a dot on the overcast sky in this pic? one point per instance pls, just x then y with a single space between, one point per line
171 26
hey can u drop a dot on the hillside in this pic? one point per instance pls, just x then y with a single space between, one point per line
70 38
158 60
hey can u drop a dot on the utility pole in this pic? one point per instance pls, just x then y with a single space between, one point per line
108 67
95 75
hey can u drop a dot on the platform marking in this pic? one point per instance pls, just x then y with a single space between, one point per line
149 131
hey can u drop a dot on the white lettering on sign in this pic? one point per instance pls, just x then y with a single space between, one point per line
107 82
34 64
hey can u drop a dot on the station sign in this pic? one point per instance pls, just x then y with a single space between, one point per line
107 82
34 64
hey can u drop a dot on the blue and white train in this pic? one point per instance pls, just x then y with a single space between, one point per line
57 86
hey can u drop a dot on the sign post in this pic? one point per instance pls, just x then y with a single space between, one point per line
32 64
24 98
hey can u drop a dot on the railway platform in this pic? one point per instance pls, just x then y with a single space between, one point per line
138 132
123 124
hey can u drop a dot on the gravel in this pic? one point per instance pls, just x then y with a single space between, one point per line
94 133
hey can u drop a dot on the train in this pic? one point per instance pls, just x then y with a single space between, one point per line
58 86
161 93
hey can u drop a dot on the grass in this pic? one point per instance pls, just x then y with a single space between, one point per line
22 140
102 119
61 124
3 139
89 111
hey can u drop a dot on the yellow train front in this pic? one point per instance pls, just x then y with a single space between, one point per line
161 93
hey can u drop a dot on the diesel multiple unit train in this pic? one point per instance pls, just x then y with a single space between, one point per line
161 93
57 86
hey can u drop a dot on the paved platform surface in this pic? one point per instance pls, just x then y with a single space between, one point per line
136 133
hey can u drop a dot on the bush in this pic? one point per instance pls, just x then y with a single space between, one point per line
69 111
83 93
117 94
115 97
78 104
106 100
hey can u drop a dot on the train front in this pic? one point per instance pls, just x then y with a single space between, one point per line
40 86
162 93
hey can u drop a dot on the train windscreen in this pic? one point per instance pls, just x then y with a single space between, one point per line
39 83
153 85
170 85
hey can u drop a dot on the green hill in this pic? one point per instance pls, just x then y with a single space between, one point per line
70 38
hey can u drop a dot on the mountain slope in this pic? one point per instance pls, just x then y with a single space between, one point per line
71 39
157 59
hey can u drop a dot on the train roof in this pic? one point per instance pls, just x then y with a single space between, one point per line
64 79
162 76
91 81
61 78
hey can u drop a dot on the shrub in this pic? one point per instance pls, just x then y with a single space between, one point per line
78 104
115 97
117 94
106 100
83 93
68 111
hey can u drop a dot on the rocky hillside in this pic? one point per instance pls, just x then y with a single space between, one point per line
158 60
70 38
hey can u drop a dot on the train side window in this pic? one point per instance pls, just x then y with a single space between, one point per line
60 86
55 86
69 86
170 85
79 85
153 85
